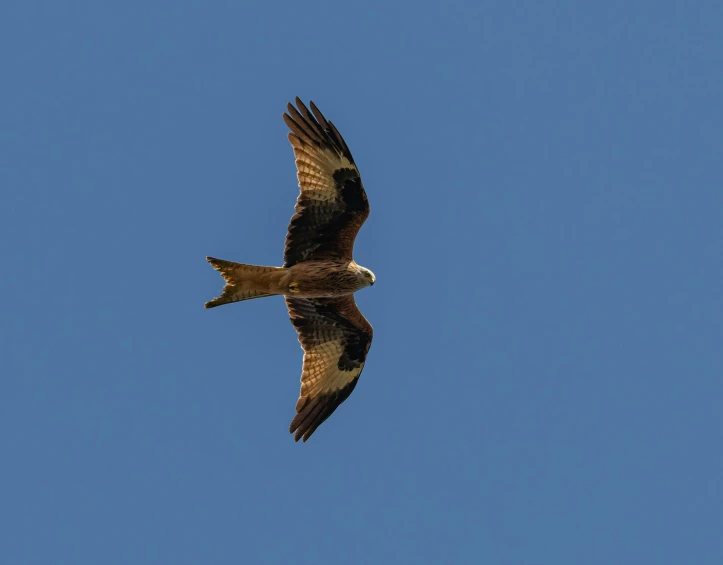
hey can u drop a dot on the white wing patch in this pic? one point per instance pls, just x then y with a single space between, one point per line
315 170
321 373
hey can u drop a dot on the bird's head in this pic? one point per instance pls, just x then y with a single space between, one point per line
365 276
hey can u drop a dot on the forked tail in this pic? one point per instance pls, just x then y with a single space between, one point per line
243 282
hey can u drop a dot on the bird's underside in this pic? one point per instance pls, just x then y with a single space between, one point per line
319 275
308 279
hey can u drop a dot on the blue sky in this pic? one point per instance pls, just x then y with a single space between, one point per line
544 385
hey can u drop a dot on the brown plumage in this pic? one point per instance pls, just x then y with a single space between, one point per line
319 275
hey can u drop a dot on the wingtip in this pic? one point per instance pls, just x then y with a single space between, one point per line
302 434
298 432
303 110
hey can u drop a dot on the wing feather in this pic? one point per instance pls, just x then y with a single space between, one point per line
335 338
332 204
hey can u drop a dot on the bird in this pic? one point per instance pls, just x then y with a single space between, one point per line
319 276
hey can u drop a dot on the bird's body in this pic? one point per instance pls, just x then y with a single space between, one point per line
309 279
319 276
326 279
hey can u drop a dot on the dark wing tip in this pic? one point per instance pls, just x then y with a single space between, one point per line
312 127
302 108
297 129
315 411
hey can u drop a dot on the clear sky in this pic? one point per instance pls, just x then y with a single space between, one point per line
545 382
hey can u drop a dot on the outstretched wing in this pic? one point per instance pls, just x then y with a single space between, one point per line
332 205
335 338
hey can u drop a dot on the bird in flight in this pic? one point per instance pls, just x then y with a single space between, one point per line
319 276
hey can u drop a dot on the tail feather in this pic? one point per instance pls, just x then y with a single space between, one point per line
243 282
